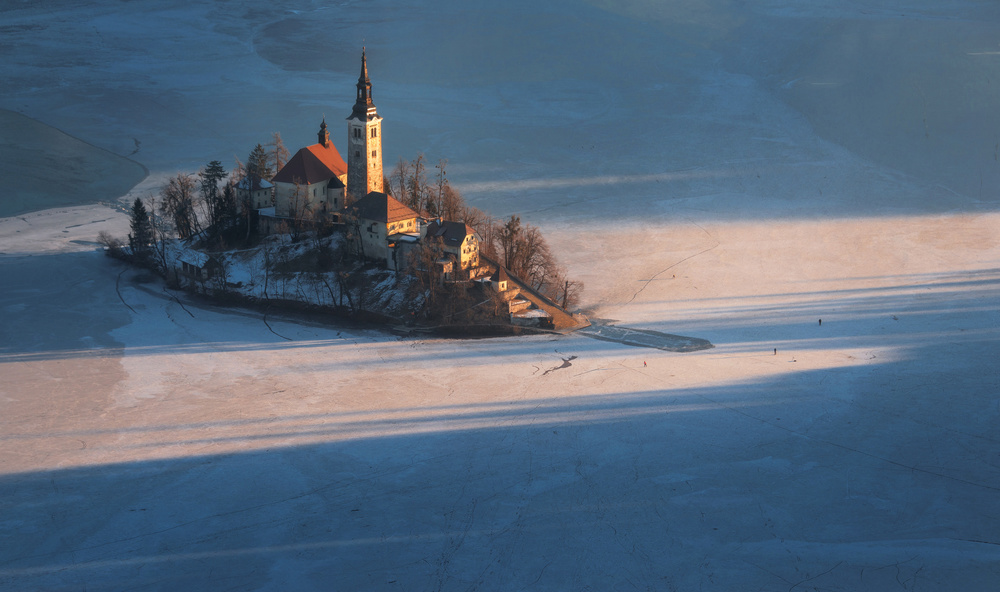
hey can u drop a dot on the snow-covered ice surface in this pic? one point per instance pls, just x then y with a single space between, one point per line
726 171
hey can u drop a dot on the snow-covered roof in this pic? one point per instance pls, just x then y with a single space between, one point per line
405 237
192 257
260 184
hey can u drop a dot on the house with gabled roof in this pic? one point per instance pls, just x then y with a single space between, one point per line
256 192
385 227
312 182
458 241
196 265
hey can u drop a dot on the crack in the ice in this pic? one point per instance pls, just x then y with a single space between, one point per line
264 318
656 275
839 563
120 292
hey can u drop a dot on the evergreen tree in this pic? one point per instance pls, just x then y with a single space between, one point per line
227 202
140 240
257 169
210 177
258 166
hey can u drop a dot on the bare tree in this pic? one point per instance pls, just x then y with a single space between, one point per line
508 242
277 154
113 246
239 170
424 267
300 210
416 185
343 283
571 294
520 248
220 276
178 204
399 182
523 251
435 196
161 232
473 216
352 232
409 185
452 206
535 262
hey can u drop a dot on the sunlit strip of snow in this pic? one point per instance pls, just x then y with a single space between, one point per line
528 184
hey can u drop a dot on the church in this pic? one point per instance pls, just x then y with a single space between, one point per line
317 180
318 183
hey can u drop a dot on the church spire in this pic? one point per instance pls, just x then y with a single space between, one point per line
363 106
324 134
364 141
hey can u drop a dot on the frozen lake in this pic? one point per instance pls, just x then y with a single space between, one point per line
732 173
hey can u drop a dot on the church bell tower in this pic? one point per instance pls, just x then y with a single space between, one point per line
364 141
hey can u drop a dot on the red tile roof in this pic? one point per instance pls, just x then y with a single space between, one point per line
312 164
382 208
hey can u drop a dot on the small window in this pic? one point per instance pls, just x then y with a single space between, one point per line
373 154
357 154
374 133
357 132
